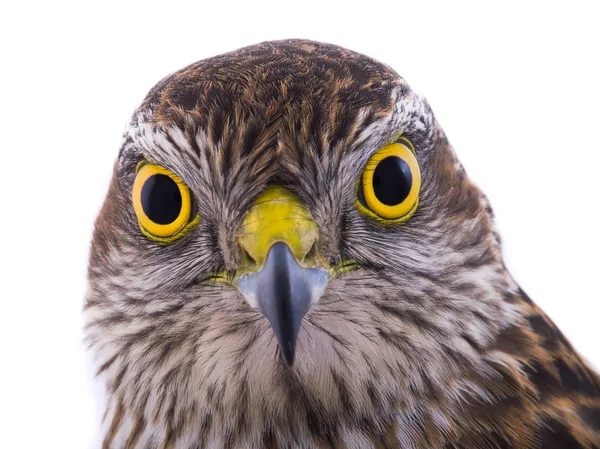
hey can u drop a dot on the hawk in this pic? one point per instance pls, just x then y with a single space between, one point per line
290 255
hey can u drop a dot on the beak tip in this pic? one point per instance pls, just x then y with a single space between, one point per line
288 353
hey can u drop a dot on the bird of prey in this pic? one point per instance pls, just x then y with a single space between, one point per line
290 255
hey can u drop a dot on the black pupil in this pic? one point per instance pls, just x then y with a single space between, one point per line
161 199
392 180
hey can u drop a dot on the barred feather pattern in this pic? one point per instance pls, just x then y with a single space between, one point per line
429 343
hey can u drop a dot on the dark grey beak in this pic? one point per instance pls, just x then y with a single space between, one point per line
284 291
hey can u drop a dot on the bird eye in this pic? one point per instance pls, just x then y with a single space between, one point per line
163 204
390 183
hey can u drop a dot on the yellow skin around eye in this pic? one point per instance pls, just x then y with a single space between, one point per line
400 212
163 233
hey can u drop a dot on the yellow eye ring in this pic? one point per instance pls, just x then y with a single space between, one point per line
162 203
390 183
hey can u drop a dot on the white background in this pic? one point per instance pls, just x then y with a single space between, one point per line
516 86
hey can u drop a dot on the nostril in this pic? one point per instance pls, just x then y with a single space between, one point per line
311 255
247 259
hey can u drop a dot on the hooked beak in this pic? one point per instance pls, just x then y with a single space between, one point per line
284 291
282 275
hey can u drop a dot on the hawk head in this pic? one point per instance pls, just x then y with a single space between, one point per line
290 251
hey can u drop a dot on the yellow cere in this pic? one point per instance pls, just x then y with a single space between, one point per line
279 216
396 213
162 232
